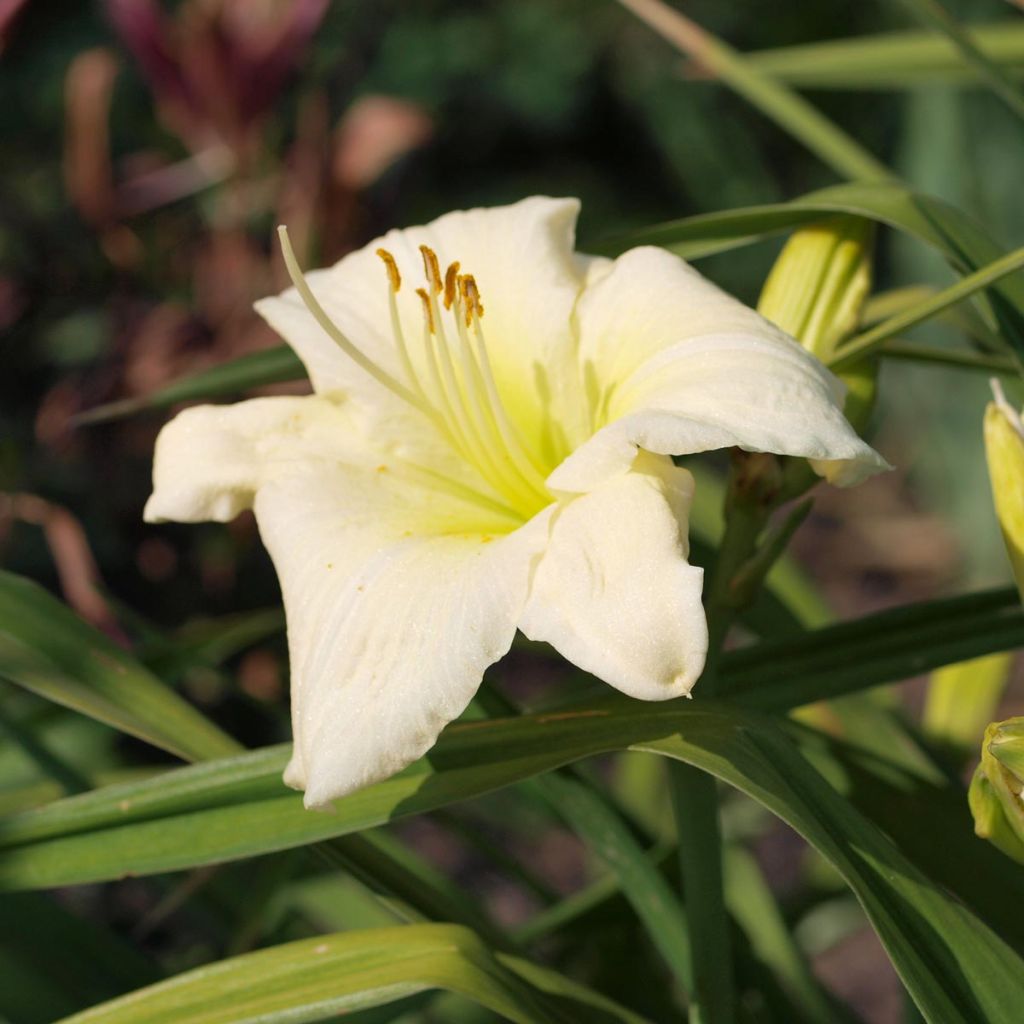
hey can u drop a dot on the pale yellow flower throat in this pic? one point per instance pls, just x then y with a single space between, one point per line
452 383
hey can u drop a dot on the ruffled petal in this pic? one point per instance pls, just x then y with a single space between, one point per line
614 593
393 616
211 459
679 367
529 279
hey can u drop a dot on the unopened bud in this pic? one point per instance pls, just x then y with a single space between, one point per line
1004 450
995 793
817 287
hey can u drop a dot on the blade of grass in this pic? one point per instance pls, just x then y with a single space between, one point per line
788 110
932 13
328 976
957 359
604 832
872 339
892 60
47 649
270 366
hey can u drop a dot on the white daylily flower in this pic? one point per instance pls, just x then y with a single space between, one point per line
489 451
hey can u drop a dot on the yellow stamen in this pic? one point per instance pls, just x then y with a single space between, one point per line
427 311
432 269
393 275
450 283
331 329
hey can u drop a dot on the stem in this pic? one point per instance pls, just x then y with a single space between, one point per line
695 806
753 487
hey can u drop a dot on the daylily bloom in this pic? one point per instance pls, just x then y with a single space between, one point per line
488 447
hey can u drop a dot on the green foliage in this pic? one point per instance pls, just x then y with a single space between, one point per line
206 893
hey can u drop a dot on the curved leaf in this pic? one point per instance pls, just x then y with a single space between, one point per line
324 977
958 237
46 648
956 968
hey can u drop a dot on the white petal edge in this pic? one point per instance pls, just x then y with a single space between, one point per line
389 629
211 459
614 593
719 391
681 367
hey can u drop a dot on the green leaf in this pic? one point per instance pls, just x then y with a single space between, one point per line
931 12
751 901
331 975
862 344
776 101
47 649
607 836
880 648
958 237
956 967
892 60
931 823
268 366
955 359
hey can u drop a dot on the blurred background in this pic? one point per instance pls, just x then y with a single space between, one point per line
149 149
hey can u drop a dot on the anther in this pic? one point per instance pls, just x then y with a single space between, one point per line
470 294
393 275
427 310
432 269
450 284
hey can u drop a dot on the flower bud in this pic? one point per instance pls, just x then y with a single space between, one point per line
817 287
995 794
1004 449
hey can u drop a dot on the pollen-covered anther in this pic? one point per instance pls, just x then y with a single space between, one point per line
432 269
470 293
394 277
428 311
451 276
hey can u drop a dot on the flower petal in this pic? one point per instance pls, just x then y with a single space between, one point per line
392 619
211 459
614 593
523 261
679 367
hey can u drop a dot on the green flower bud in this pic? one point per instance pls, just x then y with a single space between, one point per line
995 793
1004 449
817 287
816 291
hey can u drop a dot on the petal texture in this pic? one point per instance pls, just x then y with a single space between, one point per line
675 366
391 619
614 593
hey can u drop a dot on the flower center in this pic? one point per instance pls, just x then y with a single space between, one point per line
450 380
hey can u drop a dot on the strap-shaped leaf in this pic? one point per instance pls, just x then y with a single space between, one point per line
957 969
330 975
46 648
953 233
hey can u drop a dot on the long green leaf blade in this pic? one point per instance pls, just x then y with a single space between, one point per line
956 967
892 60
269 366
787 109
47 649
330 975
931 12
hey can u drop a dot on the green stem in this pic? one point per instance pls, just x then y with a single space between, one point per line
749 500
695 805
